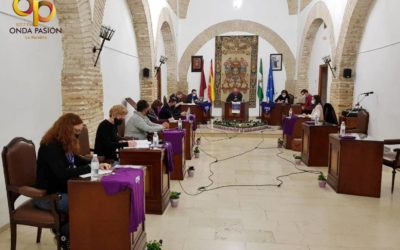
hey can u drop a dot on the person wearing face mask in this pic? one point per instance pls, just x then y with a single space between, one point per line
58 161
283 97
318 109
107 140
307 106
192 97
139 124
154 111
169 110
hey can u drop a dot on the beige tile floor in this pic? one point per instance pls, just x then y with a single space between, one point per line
298 215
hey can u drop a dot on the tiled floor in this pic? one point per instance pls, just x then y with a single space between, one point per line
298 215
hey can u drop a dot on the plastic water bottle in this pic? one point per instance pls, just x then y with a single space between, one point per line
342 129
155 139
94 166
316 119
290 112
180 123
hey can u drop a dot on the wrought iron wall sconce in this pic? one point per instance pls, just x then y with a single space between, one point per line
106 33
163 60
327 60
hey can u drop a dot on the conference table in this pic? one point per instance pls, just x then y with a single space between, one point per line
228 115
202 111
274 114
293 129
190 135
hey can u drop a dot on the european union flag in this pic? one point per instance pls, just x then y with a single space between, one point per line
270 86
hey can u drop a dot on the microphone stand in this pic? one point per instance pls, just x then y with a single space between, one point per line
358 104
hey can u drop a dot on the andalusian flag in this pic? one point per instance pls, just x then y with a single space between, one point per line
260 91
211 91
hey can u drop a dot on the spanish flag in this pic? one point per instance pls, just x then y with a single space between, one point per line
211 91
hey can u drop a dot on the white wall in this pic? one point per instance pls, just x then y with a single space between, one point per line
30 86
320 49
378 70
264 50
119 60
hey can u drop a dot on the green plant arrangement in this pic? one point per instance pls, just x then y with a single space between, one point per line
240 126
196 152
280 142
190 171
174 198
297 159
154 245
321 180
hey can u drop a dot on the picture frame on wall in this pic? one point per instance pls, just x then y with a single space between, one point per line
276 62
197 63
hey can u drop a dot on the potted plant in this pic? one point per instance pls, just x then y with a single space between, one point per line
174 198
297 159
154 245
198 141
196 152
280 142
191 171
322 180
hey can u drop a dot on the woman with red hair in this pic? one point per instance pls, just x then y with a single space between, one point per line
59 160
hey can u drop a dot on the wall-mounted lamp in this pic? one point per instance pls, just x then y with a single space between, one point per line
106 33
163 60
327 60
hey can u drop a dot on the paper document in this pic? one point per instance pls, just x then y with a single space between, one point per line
141 144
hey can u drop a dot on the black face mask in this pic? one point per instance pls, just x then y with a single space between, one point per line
77 136
118 121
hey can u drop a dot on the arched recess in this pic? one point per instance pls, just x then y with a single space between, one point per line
352 30
240 26
319 15
166 31
82 90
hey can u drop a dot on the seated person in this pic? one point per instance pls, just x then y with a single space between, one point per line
167 111
307 106
180 100
317 110
107 139
235 96
139 124
283 97
155 111
192 97
58 161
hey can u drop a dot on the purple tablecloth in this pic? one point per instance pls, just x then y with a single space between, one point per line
267 106
169 156
175 137
133 179
288 124
205 106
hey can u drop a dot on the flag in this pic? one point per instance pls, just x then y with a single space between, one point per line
203 84
211 92
270 86
260 91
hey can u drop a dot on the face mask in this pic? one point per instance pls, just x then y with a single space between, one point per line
118 121
283 95
313 102
77 136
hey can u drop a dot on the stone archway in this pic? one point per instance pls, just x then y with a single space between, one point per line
352 30
319 15
82 90
264 32
167 32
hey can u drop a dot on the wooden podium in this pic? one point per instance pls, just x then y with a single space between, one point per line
315 147
101 221
157 176
296 132
355 166
274 116
201 116
189 137
229 116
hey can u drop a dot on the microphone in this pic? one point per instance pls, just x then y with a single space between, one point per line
367 93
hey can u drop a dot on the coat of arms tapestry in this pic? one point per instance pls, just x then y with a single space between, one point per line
236 67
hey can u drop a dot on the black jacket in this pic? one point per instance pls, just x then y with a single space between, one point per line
283 99
107 141
191 98
232 97
53 168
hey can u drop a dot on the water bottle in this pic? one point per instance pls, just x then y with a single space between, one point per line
316 119
155 139
290 112
342 129
94 166
180 123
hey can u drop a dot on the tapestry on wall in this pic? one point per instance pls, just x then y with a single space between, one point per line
236 66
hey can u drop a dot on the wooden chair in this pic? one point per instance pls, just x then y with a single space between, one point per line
19 165
291 99
392 159
131 102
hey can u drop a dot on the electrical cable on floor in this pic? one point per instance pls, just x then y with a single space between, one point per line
216 160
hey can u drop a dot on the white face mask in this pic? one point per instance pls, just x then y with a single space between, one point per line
313 102
283 95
